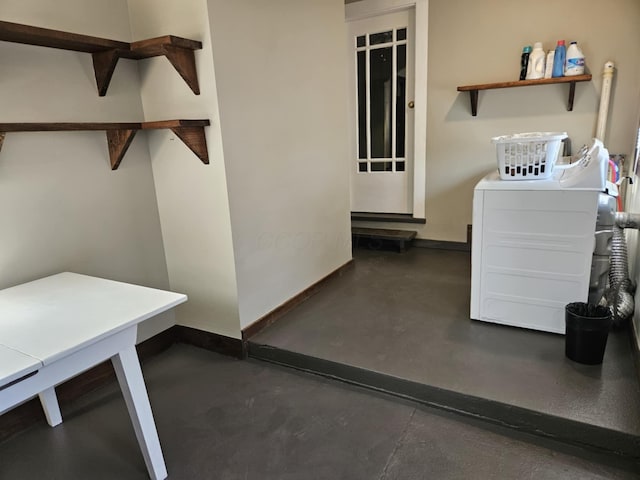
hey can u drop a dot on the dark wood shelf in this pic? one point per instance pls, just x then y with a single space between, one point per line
473 89
106 53
120 135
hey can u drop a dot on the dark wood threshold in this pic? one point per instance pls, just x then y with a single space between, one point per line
386 217
274 315
442 245
380 238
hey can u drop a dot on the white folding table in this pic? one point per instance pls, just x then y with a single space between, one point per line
57 327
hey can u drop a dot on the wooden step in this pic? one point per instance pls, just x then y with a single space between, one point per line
377 236
386 217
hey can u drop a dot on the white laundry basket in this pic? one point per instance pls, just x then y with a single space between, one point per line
528 156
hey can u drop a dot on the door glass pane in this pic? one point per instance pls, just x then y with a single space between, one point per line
383 37
381 166
362 105
360 41
401 99
380 64
401 34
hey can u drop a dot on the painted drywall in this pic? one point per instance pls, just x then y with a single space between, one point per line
281 80
62 207
474 42
192 197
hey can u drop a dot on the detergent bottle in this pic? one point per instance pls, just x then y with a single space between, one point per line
575 60
535 68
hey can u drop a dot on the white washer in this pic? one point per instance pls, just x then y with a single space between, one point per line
533 242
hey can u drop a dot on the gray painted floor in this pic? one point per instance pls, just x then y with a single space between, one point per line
220 418
407 315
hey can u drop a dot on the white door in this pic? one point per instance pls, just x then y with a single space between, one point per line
381 77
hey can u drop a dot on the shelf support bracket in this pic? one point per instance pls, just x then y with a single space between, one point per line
184 61
104 63
473 96
194 138
119 141
572 92
1 140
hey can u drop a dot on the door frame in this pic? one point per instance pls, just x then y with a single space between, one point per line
372 8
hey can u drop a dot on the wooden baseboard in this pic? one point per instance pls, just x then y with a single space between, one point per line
274 315
233 347
30 413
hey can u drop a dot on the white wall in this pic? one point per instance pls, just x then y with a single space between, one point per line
192 197
281 79
62 208
473 42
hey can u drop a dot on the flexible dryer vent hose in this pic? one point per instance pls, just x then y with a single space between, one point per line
621 288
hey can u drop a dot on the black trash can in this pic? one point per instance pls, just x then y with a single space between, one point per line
587 329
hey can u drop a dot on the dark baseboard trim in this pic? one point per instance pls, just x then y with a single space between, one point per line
233 347
293 302
386 217
30 412
602 441
442 244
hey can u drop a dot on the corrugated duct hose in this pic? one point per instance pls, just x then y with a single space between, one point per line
621 288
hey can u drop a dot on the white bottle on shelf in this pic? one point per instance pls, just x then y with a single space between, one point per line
548 68
535 69
575 61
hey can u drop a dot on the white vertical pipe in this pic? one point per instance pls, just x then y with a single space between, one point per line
607 76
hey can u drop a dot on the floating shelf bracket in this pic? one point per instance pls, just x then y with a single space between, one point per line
191 132
106 53
474 89
120 135
118 142
179 52
104 64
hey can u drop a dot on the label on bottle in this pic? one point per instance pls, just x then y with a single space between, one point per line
575 62
574 66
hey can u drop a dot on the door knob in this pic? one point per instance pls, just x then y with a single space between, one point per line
411 104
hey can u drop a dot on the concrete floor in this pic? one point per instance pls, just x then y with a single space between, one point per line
407 316
220 418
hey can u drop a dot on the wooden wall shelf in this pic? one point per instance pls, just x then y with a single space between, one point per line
106 53
120 135
473 89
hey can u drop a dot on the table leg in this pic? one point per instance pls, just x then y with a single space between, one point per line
49 402
129 375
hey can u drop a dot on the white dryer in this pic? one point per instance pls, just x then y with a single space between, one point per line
533 242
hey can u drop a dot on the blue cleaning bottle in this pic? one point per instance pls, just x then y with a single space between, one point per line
559 59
